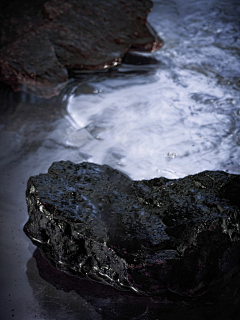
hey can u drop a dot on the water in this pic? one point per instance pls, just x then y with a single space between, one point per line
174 118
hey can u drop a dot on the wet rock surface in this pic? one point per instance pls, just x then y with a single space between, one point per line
152 236
39 43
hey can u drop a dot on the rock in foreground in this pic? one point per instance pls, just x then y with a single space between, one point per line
150 236
40 40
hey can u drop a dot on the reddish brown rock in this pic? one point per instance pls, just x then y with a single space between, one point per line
39 44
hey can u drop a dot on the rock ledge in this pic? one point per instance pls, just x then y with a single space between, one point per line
40 42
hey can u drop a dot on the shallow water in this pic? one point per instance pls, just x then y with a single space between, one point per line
174 118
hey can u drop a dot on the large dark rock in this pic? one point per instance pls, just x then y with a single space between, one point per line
41 40
149 236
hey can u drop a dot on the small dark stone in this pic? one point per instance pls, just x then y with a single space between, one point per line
137 59
151 236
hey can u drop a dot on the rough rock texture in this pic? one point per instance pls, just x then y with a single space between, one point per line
149 236
40 41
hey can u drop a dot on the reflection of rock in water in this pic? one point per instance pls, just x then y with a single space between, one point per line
61 296
108 302
54 303
23 106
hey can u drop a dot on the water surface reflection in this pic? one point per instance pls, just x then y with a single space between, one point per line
61 295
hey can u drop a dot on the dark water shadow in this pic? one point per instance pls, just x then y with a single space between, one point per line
84 299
